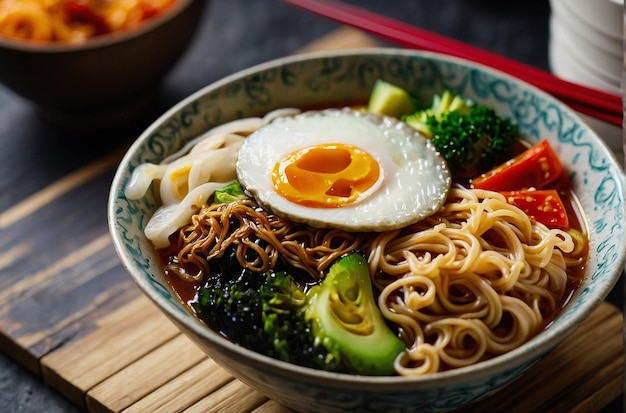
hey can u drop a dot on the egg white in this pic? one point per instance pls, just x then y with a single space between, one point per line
415 185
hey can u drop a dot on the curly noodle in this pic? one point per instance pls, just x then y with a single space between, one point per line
477 278
260 238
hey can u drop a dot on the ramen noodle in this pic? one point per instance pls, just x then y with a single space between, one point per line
73 21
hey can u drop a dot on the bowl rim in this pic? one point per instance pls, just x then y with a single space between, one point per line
539 345
97 42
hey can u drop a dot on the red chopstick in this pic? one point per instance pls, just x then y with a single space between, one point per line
596 103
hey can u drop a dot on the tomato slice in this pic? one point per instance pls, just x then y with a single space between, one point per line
534 168
543 205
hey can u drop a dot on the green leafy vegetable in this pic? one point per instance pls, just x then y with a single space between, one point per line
229 193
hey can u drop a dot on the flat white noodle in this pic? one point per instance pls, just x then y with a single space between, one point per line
167 219
216 162
243 126
190 176
142 178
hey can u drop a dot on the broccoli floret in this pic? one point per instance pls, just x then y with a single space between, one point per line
442 104
347 320
475 142
336 326
472 138
265 313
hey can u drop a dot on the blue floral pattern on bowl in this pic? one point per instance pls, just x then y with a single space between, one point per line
335 79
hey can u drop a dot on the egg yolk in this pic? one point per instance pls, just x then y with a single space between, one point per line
326 176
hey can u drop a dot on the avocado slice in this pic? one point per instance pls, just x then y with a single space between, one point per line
389 99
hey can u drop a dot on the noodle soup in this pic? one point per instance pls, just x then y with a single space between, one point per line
472 276
71 21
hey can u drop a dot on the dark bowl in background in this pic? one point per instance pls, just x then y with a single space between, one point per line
106 80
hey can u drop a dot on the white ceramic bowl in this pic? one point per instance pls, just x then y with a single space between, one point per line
329 79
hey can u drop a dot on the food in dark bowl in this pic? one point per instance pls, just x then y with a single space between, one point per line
101 80
418 251
74 21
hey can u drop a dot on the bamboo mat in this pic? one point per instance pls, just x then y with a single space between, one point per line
86 329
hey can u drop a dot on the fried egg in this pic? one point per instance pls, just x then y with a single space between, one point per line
344 169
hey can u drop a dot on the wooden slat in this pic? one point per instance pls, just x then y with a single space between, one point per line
194 384
39 317
144 376
594 396
233 397
272 407
122 337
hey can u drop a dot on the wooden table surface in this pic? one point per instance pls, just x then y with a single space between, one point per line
77 334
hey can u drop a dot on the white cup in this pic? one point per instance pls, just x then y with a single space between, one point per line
586 47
